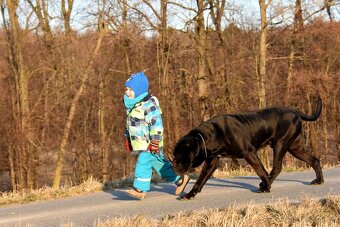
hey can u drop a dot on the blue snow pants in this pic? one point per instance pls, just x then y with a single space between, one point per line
145 163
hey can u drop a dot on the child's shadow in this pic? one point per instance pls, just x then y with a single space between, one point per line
120 194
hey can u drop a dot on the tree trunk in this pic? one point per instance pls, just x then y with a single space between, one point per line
203 80
325 133
338 142
261 68
297 28
43 17
71 113
313 133
337 126
165 82
66 12
328 4
103 132
12 168
28 152
126 42
218 6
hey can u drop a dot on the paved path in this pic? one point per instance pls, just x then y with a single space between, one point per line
217 193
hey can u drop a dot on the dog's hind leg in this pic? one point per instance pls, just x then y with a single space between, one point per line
257 165
299 151
280 150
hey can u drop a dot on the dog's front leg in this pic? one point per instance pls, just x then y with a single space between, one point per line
208 169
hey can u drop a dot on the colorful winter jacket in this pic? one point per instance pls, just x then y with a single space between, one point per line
144 123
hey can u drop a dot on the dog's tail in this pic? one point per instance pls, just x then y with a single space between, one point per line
316 113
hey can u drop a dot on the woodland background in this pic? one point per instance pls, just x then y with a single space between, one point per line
62 79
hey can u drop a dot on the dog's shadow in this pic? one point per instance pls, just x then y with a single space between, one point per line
277 179
248 186
231 184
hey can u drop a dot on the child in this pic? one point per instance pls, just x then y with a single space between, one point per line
144 137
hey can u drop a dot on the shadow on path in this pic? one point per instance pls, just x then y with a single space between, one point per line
166 188
277 179
169 188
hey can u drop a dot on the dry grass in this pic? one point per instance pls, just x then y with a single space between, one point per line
245 171
46 193
283 213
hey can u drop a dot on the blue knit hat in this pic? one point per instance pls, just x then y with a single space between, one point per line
138 83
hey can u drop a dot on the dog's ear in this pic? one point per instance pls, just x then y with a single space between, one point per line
195 145
190 145
189 142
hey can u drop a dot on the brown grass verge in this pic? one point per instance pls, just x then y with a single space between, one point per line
47 193
309 212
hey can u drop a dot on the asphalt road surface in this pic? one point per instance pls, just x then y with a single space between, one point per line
217 193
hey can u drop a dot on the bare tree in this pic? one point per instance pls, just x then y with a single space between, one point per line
164 53
74 104
40 10
126 41
261 68
297 28
337 127
26 155
66 9
328 4
216 14
202 79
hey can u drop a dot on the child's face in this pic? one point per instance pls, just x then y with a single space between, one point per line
129 93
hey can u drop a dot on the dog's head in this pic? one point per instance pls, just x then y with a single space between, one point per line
186 154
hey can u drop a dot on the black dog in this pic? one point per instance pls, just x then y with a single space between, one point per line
240 136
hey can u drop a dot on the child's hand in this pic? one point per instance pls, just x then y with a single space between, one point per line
128 146
154 146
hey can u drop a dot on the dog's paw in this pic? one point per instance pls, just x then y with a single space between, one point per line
186 197
317 181
182 198
264 190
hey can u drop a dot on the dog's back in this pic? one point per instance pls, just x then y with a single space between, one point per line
278 113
